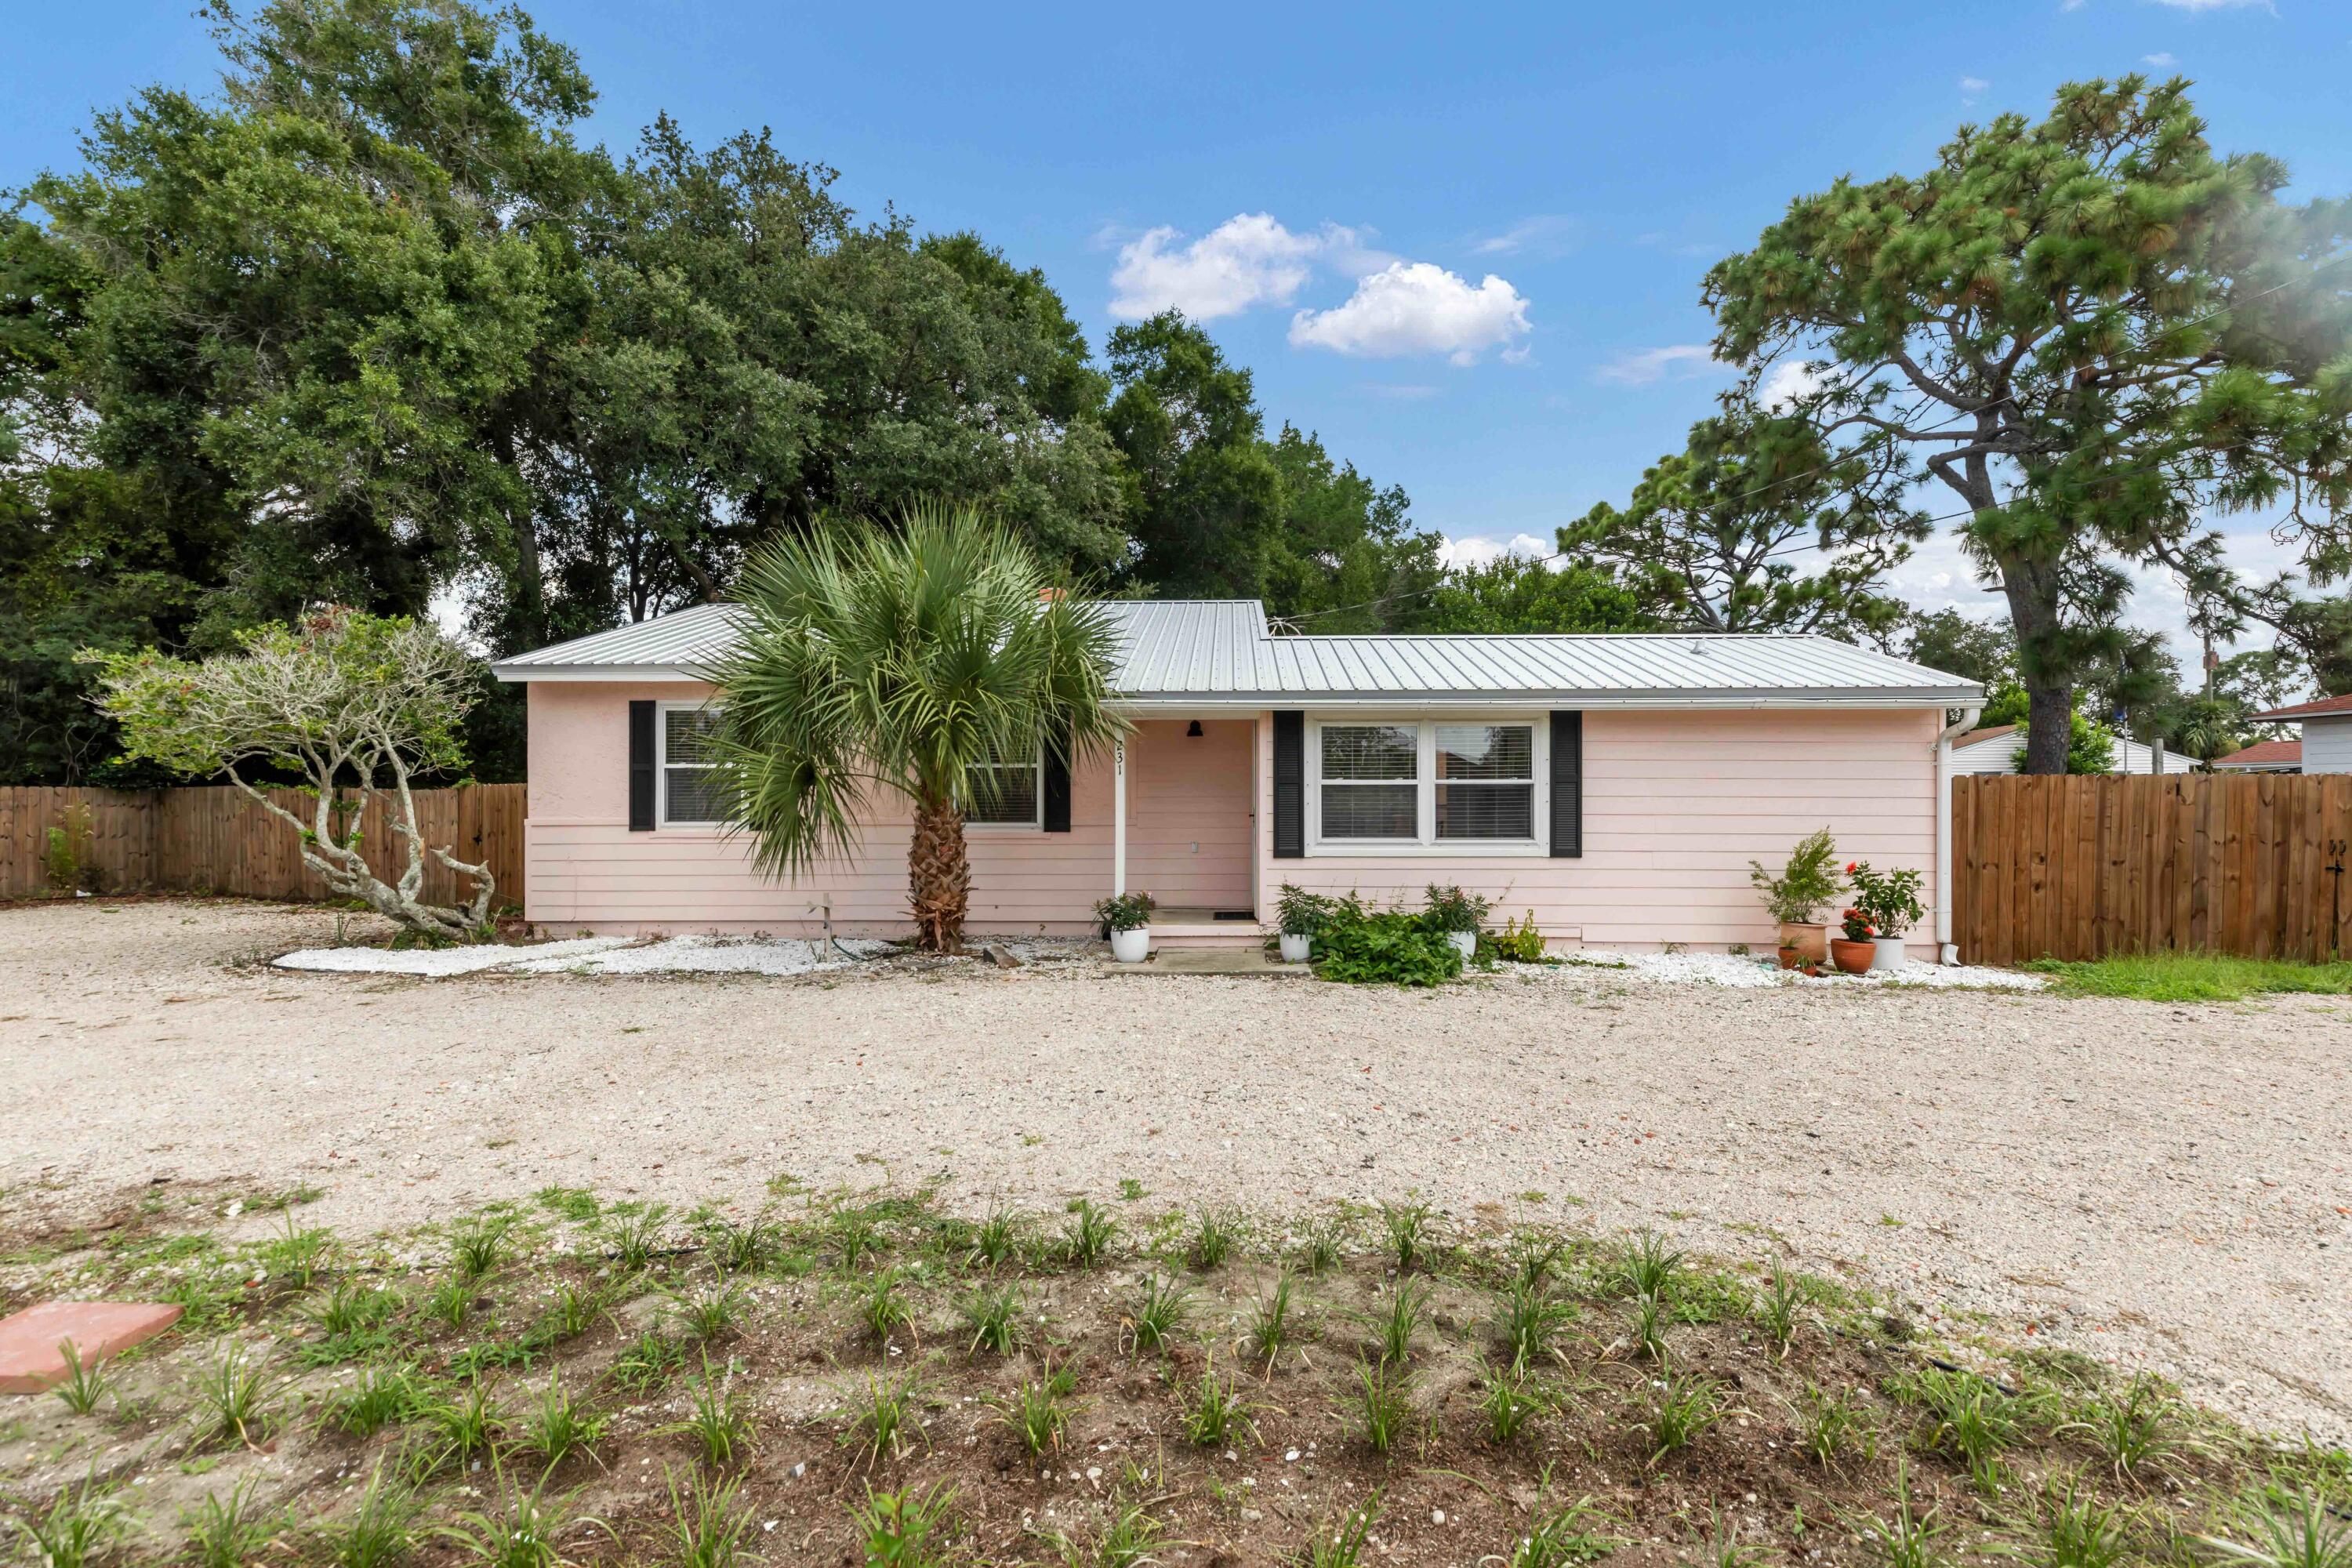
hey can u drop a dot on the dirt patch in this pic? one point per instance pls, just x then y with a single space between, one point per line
636 1319
2167 1188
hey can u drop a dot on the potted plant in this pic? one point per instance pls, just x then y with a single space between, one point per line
1890 901
1853 951
1793 894
1301 917
1127 917
1457 915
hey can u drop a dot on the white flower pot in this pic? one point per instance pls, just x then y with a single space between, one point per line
1296 949
1464 943
1886 952
1131 946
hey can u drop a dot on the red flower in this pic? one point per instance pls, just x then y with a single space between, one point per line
1849 866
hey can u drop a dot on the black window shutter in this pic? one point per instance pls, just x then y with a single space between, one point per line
641 767
1290 786
1054 786
1566 786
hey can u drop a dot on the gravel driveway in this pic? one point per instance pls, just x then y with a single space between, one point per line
2161 1186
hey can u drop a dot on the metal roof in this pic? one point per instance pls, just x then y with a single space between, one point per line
1220 652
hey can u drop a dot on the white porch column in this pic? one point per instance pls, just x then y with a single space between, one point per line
1119 818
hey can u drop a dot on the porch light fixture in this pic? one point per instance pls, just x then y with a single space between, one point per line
1192 730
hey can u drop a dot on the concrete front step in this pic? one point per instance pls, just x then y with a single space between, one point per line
1210 961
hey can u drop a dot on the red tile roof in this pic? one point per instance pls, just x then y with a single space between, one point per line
2263 754
2311 710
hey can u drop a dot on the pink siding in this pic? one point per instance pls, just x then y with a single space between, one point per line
1189 834
1675 804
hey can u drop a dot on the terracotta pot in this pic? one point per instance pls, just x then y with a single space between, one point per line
1851 957
1811 940
1790 958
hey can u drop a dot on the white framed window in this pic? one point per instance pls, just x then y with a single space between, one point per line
682 772
1468 786
1007 791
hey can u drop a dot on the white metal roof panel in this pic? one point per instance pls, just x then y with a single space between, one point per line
1220 650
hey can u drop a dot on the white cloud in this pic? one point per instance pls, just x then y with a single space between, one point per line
1416 307
2161 60
1248 260
1787 381
1973 84
1544 234
1640 367
1479 552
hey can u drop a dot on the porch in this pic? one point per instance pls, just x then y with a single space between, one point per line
1183 828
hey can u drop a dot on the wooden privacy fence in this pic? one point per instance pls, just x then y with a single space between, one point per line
215 839
2084 867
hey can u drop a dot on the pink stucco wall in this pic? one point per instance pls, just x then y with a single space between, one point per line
1188 841
1675 806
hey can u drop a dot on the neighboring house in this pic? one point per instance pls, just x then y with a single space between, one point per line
1616 786
1994 750
2327 732
2264 757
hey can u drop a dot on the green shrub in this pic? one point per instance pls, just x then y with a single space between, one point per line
1804 884
1451 909
1390 948
1519 941
1298 913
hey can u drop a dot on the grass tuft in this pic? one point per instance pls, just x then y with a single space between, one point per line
707 1522
1341 1545
1508 1401
993 1320
560 1425
479 1245
715 1418
1088 1241
85 1380
236 1400
1382 1406
1271 1328
1564 1540
908 1528
995 1241
1683 1407
1217 1414
1157 1315
1216 1234
887 1416
1529 1318
1039 1411
79 1527
229 1532
2192 976
1411 1234
1399 1319
380 1529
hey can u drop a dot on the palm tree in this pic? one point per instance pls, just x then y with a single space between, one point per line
878 661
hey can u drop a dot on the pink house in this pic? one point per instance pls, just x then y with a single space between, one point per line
1616 786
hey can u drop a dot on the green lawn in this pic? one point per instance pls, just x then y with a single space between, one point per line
2193 976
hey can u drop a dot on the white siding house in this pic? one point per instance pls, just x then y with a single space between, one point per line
2327 732
1994 750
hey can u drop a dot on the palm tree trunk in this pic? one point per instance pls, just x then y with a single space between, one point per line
939 875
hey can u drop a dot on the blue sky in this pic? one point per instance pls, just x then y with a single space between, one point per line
1470 241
